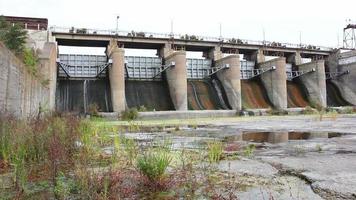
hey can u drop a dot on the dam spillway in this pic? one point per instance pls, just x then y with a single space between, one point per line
172 81
79 95
334 96
153 95
254 95
206 95
296 95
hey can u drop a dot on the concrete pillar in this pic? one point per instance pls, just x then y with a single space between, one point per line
275 82
215 53
295 58
314 82
346 83
177 78
258 56
117 76
47 60
230 79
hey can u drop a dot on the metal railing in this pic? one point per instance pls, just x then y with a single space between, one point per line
251 73
333 75
141 34
294 74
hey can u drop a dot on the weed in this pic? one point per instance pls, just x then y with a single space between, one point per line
347 110
30 59
93 110
130 114
131 149
299 150
153 164
249 150
215 151
142 108
318 148
177 128
276 112
308 111
63 186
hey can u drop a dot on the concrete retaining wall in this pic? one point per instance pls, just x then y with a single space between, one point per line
275 82
230 79
22 94
314 82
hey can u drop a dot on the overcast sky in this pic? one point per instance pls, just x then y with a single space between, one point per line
319 21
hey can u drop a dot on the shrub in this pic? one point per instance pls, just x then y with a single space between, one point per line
249 150
153 164
130 114
142 109
347 110
276 112
30 59
215 151
93 110
308 111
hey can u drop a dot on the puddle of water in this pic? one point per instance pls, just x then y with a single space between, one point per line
197 138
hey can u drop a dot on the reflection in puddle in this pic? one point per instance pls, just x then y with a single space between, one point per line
279 137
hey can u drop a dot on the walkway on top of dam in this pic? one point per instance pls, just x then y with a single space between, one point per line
144 40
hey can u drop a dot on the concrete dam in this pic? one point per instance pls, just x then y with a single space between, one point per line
232 75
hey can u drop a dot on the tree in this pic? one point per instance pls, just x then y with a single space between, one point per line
4 26
14 36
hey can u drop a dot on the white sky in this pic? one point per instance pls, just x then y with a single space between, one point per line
319 21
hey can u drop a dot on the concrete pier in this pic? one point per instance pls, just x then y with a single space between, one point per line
314 82
230 79
275 81
342 62
117 76
177 78
48 67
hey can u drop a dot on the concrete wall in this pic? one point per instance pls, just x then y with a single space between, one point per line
177 79
346 83
314 82
48 68
275 82
117 76
230 79
21 94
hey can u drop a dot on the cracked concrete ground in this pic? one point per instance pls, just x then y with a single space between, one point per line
319 166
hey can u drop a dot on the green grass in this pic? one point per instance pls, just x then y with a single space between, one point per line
215 151
153 164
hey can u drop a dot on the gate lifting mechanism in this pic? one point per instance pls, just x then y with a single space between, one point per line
214 70
333 75
294 74
251 73
91 72
161 69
